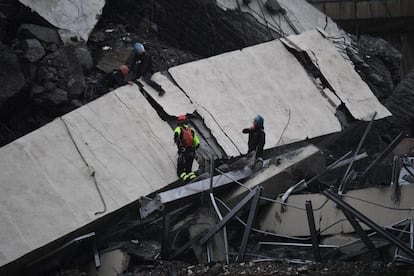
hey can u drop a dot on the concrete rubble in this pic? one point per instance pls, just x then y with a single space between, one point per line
97 188
73 18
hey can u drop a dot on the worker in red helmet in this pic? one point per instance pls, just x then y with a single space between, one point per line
140 63
187 142
112 80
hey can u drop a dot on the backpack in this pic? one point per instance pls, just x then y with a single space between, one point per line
187 137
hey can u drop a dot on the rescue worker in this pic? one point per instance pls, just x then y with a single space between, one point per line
257 139
112 80
187 142
140 63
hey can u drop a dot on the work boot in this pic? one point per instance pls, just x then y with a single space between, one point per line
161 92
183 176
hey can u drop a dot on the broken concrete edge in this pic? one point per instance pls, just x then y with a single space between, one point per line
157 203
277 172
296 50
79 17
193 188
331 89
209 146
203 130
89 233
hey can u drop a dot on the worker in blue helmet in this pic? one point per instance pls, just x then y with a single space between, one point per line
257 139
140 64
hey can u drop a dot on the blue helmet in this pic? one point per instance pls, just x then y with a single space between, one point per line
259 121
139 47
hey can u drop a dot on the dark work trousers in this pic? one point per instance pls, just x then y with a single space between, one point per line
185 161
147 78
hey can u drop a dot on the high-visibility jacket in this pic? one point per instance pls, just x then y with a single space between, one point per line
179 139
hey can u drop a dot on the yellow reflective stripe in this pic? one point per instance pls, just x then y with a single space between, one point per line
183 175
192 175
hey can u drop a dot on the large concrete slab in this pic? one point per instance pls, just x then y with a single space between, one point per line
76 16
345 81
47 189
302 16
374 203
230 89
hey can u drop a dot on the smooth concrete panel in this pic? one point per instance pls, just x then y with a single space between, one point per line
46 183
375 203
345 81
77 16
230 89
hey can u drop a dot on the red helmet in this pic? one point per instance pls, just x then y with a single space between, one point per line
124 69
182 118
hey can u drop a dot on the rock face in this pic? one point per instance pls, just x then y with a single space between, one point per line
64 69
11 76
379 65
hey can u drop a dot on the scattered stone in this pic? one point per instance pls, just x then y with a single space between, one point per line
69 74
215 269
37 90
51 47
41 33
76 103
376 265
57 96
45 73
84 57
49 86
302 269
33 50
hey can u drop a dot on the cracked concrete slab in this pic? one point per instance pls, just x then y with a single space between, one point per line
345 81
299 14
47 188
228 90
76 16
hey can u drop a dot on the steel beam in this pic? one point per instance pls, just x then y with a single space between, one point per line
165 237
383 154
395 179
149 206
228 217
312 230
361 233
247 229
343 182
368 222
